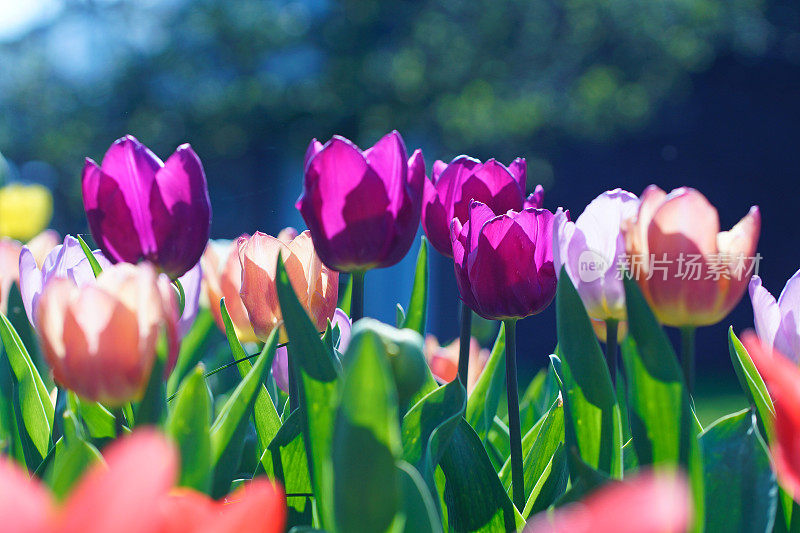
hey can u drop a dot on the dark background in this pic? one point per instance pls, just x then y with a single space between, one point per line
594 94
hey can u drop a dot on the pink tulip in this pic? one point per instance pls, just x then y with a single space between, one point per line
443 360
671 233
100 339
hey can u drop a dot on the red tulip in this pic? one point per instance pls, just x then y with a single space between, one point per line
648 503
782 377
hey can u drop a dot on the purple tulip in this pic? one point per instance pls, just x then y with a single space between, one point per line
778 323
454 186
280 364
362 207
141 208
504 263
66 260
591 248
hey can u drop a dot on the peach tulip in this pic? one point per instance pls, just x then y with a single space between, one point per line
443 360
691 273
100 339
41 245
222 278
316 285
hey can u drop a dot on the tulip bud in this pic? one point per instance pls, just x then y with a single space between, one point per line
690 273
504 264
100 339
443 360
139 207
404 349
591 249
454 186
316 285
25 210
362 207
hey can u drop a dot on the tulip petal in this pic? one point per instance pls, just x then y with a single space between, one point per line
181 212
787 339
280 368
434 220
313 148
782 378
519 169
191 303
387 158
408 213
438 168
111 219
341 319
257 507
535 199
25 505
30 282
766 313
124 496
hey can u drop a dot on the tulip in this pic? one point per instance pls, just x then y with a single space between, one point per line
9 269
601 330
671 233
141 468
25 210
280 364
443 360
100 339
222 278
191 283
776 322
504 264
454 186
362 207
67 261
591 249
650 502
504 271
316 285
139 207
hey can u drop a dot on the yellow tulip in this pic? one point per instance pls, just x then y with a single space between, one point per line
25 210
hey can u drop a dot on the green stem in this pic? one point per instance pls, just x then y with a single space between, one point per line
357 297
464 342
514 430
611 349
119 421
687 357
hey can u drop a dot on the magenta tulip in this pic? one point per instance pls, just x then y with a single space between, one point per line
139 207
362 207
504 263
454 186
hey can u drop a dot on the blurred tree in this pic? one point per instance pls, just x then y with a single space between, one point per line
250 82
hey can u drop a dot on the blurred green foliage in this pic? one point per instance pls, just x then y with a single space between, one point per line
250 82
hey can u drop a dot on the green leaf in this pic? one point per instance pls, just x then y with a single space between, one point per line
399 315
346 296
475 498
318 394
265 417
193 347
71 459
592 417
548 440
551 483
366 439
227 432
99 421
189 424
418 506
96 268
752 384
485 397
741 492
428 427
418 303
36 410
663 426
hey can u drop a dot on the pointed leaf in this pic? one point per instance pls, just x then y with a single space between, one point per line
189 424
